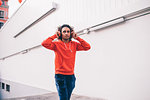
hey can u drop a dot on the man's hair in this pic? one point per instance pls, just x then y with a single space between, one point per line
60 29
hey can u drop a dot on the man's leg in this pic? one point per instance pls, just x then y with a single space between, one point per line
70 81
61 87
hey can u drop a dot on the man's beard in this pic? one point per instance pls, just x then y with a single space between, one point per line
66 38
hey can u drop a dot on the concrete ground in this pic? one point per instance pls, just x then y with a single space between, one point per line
53 96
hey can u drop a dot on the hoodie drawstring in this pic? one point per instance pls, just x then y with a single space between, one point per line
69 46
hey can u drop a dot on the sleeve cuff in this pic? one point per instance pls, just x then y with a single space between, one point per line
79 39
53 37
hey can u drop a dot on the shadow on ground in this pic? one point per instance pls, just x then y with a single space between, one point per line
53 96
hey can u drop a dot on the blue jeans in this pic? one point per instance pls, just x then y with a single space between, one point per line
65 85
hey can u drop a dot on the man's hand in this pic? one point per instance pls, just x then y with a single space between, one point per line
74 35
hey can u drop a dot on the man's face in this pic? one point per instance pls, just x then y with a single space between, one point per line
65 33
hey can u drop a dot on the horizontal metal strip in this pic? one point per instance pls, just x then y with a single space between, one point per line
38 20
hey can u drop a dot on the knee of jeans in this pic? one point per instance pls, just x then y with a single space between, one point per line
63 95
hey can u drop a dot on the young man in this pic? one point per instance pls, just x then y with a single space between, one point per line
65 51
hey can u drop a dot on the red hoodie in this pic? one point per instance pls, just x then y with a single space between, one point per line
65 53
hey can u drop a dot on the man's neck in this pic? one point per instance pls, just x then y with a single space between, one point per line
65 40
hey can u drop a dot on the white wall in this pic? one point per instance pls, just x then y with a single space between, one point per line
116 67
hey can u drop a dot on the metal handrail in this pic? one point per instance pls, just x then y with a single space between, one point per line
127 17
36 21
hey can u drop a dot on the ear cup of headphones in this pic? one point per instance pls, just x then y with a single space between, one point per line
71 33
58 34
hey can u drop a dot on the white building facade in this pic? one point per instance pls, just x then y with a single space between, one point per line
115 68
